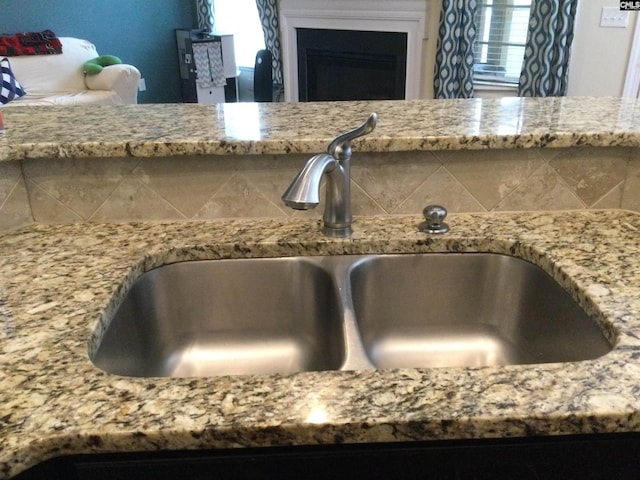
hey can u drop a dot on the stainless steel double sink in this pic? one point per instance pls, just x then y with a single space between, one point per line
283 315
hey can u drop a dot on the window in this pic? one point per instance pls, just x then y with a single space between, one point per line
240 17
502 33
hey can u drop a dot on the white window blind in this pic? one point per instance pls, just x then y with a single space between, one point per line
502 33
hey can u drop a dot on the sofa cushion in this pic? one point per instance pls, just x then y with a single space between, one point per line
10 87
94 97
58 73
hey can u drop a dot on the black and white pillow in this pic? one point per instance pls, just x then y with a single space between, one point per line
10 88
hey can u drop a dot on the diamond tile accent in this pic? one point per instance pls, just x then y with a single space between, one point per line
591 172
239 198
82 185
390 178
187 183
491 175
613 199
14 209
544 190
47 209
444 189
362 203
631 193
133 200
71 190
10 174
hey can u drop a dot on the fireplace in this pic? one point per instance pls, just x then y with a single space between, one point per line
351 65
384 41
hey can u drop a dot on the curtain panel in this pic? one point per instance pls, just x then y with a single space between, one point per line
545 70
268 11
454 55
204 10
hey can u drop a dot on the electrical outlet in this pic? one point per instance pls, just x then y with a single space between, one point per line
142 86
614 17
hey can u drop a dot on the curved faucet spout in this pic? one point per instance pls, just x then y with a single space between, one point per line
304 191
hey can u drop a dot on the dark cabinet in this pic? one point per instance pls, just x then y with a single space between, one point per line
559 458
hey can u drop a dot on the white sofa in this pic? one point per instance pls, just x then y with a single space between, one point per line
59 79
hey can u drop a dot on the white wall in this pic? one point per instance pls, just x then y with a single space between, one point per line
599 54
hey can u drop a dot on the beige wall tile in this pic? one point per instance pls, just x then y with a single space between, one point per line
10 174
631 193
47 209
491 175
390 178
544 190
591 172
613 198
14 209
82 185
187 183
70 190
362 203
239 198
133 200
443 189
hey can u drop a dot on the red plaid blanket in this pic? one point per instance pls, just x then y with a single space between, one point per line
30 43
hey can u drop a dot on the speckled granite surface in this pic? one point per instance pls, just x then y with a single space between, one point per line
57 282
277 128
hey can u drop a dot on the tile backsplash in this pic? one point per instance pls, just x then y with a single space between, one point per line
207 187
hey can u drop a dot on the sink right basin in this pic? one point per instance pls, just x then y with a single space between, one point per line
447 310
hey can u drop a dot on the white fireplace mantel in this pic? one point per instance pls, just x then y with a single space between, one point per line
404 16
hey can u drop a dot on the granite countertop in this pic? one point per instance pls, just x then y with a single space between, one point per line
58 283
280 128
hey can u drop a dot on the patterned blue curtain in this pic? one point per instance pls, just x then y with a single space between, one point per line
268 11
545 70
454 57
204 9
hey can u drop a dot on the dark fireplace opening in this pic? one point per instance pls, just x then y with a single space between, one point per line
351 65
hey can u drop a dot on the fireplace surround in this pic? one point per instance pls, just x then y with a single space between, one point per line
407 17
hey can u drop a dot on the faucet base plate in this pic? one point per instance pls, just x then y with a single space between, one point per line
339 232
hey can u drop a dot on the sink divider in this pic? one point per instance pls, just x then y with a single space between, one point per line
356 357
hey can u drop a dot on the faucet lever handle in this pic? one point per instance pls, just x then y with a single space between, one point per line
345 138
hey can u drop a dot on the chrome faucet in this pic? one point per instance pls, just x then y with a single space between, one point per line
304 191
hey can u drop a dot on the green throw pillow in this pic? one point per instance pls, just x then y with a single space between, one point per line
95 65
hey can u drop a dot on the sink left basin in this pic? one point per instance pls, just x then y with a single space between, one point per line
225 317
